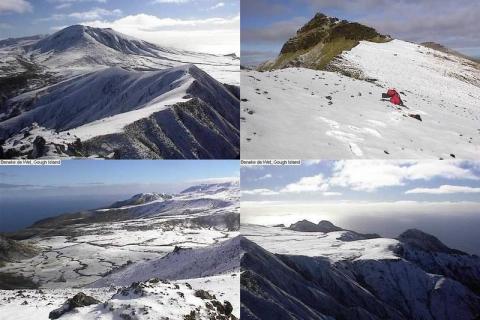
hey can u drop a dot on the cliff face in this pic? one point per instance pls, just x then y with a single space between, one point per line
319 41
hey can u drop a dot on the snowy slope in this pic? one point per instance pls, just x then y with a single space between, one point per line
317 275
110 105
344 117
221 258
79 248
114 96
152 299
117 252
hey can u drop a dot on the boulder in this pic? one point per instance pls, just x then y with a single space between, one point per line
78 301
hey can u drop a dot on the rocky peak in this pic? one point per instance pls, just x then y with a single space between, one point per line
425 242
327 226
320 40
307 226
318 21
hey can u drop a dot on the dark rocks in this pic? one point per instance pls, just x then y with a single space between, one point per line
415 116
78 301
38 147
204 295
227 307
177 249
11 154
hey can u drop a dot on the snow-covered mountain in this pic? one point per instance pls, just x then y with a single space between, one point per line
314 275
76 49
340 108
214 204
95 92
156 244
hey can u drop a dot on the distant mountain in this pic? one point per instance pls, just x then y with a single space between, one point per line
85 37
307 226
93 92
319 41
195 208
444 49
141 198
363 279
212 188
326 227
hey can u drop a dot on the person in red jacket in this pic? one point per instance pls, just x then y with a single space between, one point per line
394 97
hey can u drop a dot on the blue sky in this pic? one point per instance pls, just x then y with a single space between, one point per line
362 180
267 24
200 25
111 177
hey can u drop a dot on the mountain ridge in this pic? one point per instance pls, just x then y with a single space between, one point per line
412 284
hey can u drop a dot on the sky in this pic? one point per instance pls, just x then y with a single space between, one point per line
199 25
31 193
267 24
385 197
96 178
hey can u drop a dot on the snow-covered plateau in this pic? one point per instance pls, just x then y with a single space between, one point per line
312 114
91 92
289 274
154 256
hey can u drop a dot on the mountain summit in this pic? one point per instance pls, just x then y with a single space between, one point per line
80 36
320 40
307 226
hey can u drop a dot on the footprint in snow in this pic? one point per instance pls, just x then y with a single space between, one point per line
355 149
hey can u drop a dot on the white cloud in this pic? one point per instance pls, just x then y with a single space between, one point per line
170 1
214 35
218 5
73 1
373 174
311 162
95 13
63 6
18 6
307 184
260 192
235 179
270 212
5 26
445 189
267 176
332 194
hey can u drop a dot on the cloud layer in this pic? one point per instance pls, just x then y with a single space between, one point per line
451 23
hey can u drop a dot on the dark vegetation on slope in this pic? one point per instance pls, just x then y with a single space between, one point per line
319 41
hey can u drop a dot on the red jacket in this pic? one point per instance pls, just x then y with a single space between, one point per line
394 97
